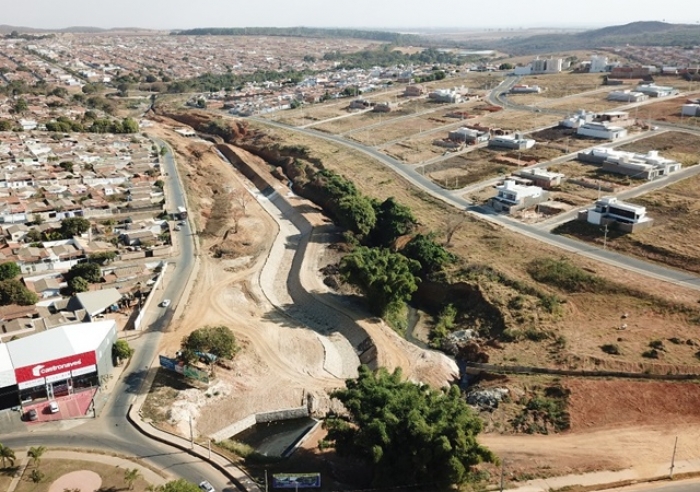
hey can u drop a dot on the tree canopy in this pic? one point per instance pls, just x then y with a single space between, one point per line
9 270
386 279
356 213
179 485
393 221
215 340
431 256
74 226
89 271
13 291
410 433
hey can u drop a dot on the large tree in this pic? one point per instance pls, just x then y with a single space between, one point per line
87 270
386 279
215 340
9 270
393 221
14 292
356 212
409 433
431 256
74 226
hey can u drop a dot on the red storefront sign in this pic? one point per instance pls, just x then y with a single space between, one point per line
56 366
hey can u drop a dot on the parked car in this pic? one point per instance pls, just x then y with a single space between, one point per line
53 407
206 486
165 303
31 415
178 228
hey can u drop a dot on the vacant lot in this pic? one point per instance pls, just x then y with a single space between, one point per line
511 120
675 237
555 86
466 169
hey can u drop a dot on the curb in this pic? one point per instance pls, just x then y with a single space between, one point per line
136 422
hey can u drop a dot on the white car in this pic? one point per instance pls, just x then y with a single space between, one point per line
53 407
206 486
165 303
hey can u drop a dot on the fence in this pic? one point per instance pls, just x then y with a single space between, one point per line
149 299
475 367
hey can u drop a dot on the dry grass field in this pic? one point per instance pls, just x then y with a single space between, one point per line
673 240
555 86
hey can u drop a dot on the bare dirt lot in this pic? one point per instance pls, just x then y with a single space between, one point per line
281 361
265 373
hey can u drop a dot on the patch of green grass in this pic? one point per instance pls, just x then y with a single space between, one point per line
564 275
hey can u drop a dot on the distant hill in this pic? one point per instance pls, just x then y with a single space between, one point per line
637 33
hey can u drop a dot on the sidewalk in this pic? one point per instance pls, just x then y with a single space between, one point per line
614 480
235 474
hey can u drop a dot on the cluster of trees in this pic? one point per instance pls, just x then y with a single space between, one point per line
409 434
69 228
386 274
64 124
229 81
388 56
436 75
215 340
12 290
305 32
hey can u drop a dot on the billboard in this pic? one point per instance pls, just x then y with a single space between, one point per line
54 367
296 481
187 371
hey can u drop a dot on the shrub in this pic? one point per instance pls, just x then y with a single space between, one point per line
651 354
610 348
563 275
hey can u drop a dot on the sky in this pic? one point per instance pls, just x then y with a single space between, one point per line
394 14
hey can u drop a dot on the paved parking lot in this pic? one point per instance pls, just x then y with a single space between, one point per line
69 407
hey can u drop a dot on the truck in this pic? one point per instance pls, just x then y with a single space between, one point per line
181 213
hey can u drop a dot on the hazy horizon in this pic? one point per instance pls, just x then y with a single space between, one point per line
363 14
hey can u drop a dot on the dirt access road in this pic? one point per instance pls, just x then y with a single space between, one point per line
243 283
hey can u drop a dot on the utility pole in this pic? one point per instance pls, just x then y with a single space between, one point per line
191 434
673 459
605 237
210 449
503 465
265 479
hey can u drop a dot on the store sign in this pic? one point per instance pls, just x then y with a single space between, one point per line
54 367
296 481
33 383
84 370
58 377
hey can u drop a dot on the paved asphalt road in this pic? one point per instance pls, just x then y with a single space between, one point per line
605 256
111 431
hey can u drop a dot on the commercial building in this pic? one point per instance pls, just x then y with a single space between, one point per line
516 142
631 72
56 362
547 65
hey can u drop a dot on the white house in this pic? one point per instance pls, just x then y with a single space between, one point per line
601 130
690 110
609 209
512 196
598 64
516 142
641 166
627 96
579 118
653 90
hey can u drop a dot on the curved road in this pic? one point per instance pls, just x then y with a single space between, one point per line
111 430
605 256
